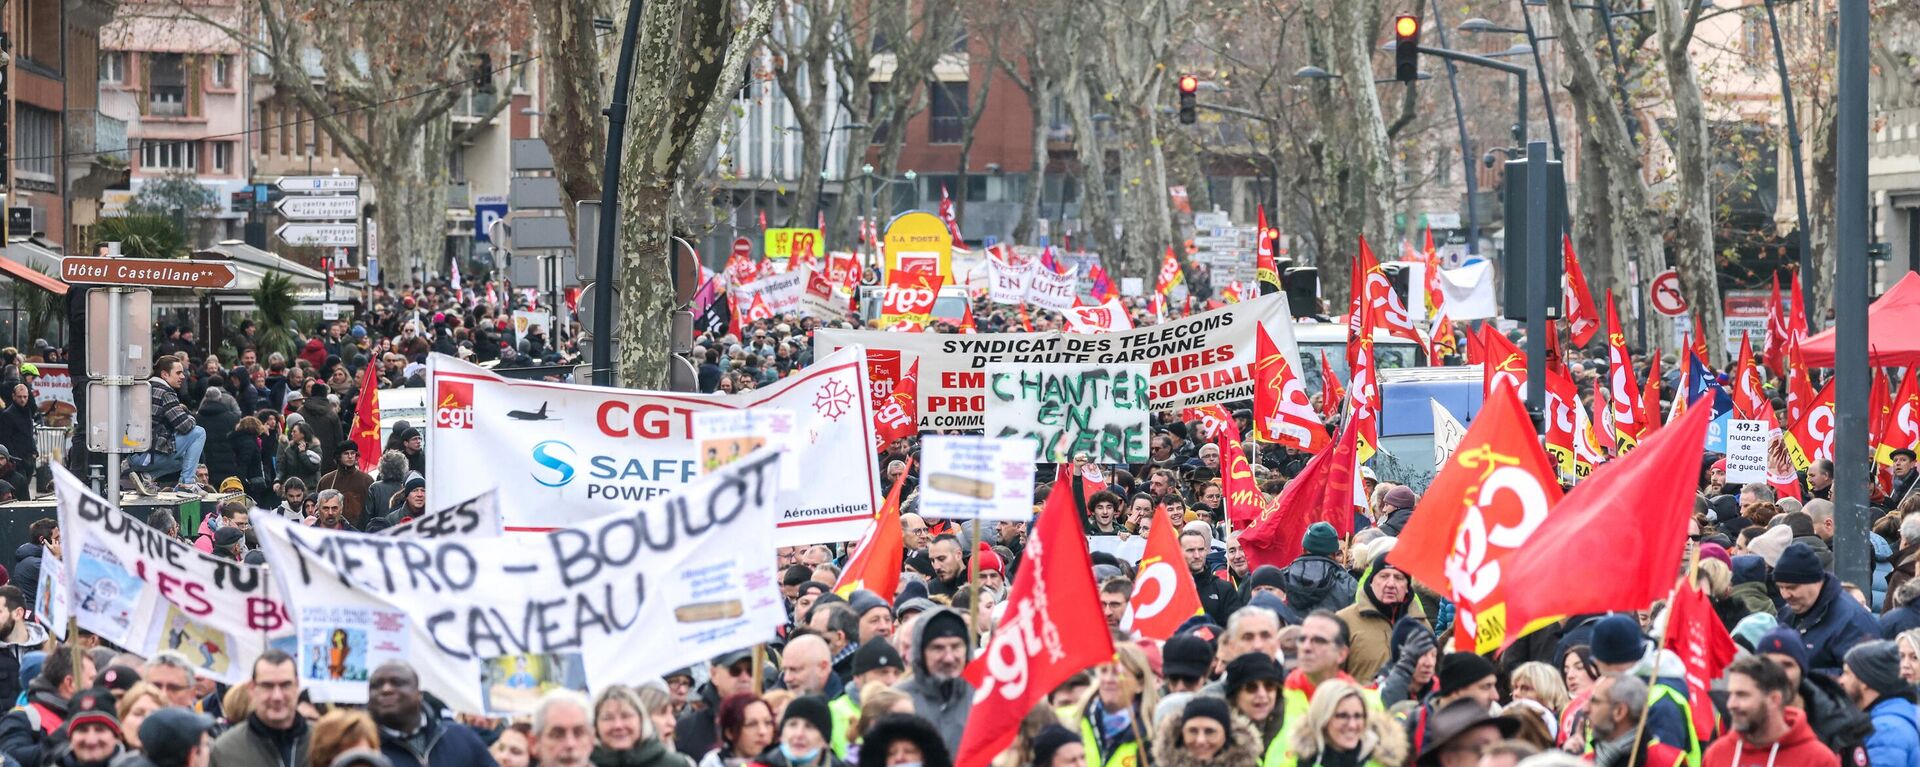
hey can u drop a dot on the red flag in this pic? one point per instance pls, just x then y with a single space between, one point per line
1331 393
1282 413
1024 321
1879 407
1583 320
1694 632
899 414
1797 317
1500 362
1799 382
1484 504
1698 345
1384 305
1242 497
1650 393
1163 594
1436 297
1639 505
1777 329
736 317
875 564
1563 421
1810 438
1265 270
1049 632
1323 492
366 417
966 322
1629 419
1170 274
953 225
1749 399
1211 421
1602 422
1903 427
908 302
1441 341
759 310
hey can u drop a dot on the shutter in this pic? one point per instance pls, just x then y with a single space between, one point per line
146 78
196 85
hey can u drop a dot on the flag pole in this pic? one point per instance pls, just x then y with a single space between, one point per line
1653 668
759 666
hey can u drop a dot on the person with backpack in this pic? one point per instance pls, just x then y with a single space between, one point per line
26 730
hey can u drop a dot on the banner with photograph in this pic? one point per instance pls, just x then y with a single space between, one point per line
1203 359
686 571
1067 410
558 454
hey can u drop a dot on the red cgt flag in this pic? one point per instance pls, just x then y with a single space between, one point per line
1695 634
1331 393
1486 503
1902 431
1629 420
1583 320
1810 438
899 414
1640 507
1501 362
366 418
1163 595
1282 414
1242 496
1323 491
1052 630
875 564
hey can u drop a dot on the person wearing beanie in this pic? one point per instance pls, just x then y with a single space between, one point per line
993 574
1253 689
1750 584
1396 510
1771 543
1835 720
1315 580
1385 596
411 502
1264 579
938 654
353 484
1873 682
915 739
801 738
1829 621
1058 746
93 732
1619 647
872 662
1207 733
876 616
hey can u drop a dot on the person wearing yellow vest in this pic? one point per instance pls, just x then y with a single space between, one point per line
1253 690
1463 676
1113 718
1613 714
1323 650
1339 730
1620 648
874 662
1206 733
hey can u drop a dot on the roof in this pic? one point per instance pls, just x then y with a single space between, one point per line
21 271
244 253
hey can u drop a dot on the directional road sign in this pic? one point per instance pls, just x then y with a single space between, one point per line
147 272
319 207
323 235
311 184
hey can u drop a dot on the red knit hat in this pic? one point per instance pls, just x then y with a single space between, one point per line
990 560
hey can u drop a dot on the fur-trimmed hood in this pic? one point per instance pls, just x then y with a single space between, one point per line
1243 750
1384 742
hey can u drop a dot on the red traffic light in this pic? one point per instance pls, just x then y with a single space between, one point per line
1189 83
1406 26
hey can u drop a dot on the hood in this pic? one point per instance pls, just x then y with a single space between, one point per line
26 634
1244 748
1310 579
316 406
26 550
928 618
1390 612
220 405
1799 734
1749 568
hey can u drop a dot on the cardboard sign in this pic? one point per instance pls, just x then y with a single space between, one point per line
968 477
1068 410
1747 451
1048 290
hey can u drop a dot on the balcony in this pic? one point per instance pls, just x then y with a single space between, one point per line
91 135
473 106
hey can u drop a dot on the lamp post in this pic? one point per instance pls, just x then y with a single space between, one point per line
1478 25
1852 557
1466 144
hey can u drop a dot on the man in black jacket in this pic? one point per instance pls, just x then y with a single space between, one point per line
1217 597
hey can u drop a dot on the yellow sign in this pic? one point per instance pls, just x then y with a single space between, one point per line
919 242
783 244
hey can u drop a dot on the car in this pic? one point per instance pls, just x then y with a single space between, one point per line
1406 418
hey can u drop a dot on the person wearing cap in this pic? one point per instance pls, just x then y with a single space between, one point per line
1385 596
412 501
873 663
411 735
1186 660
1460 733
802 737
352 483
1613 718
274 733
28 728
1619 647
1253 690
1396 510
1207 733
1763 729
698 730
940 650
1829 712
1315 580
1829 621
1872 680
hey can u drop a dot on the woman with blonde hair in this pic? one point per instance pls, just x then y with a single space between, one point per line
139 700
340 731
1114 715
1540 683
1340 730
876 701
1909 642
624 735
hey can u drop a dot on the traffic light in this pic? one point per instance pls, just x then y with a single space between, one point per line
1188 103
1406 49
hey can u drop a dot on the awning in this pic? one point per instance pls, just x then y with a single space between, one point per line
20 271
1891 341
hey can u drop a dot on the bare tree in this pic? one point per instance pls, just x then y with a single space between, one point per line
1043 34
800 53
1693 206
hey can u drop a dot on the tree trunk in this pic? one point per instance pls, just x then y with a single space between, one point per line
574 131
1096 222
1693 230
1037 180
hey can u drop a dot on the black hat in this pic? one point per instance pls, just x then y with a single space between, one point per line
1049 741
796 575
1798 565
1617 639
1252 667
1877 665
1266 575
1455 720
1459 670
227 536
346 445
729 658
1186 655
876 655
94 706
811 709
1210 707
894 728
170 735
407 433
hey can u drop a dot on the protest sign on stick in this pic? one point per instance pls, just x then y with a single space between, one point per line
965 477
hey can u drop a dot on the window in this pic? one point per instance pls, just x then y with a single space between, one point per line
946 112
1443 167
222 72
38 139
977 188
166 84
877 106
222 156
113 67
170 155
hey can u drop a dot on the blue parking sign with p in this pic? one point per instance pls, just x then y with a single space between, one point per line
484 216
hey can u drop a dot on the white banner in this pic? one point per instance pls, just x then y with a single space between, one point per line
1067 410
477 517
822 298
560 453
1100 318
1447 433
963 477
1007 284
147 591
1469 292
678 577
1051 291
1200 360
781 291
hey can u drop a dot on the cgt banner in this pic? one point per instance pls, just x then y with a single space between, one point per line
1067 410
559 454
909 299
147 591
1203 359
686 571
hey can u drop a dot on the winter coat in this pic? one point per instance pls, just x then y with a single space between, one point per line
1798 748
25 637
300 461
1370 629
1314 582
1384 744
1896 733
1217 597
1750 585
1832 626
324 423
353 485
170 416
25 730
1903 611
1839 724
218 415
26 576
647 753
697 731
1882 570
16 432
1243 748
252 744
773 758
1902 570
446 743
1396 521
944 702
245 449
1731 610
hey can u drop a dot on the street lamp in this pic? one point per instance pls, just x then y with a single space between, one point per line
1313 73
1478 25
